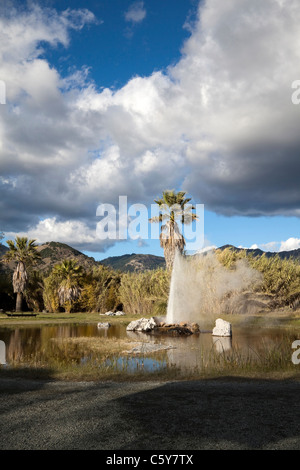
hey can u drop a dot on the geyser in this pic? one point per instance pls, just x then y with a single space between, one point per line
202 288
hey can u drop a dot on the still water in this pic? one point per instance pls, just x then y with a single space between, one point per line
22 343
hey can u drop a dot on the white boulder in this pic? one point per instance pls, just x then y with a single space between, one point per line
112 314
222 328
143 324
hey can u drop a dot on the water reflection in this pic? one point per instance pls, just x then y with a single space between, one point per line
2 353
222 344
136 364
23 343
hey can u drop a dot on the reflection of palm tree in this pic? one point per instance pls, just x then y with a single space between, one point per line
69 276
24 252
173 207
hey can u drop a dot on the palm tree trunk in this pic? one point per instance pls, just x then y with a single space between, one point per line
19 302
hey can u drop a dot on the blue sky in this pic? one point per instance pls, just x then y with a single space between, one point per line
109 98
117 49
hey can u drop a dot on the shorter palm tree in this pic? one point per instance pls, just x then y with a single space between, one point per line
69 276
24 253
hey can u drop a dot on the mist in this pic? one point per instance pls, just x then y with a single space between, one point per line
202 289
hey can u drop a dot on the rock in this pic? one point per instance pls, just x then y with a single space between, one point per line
143 324
177 329
110 313
222 328
103 325
157 327
174 330
195 328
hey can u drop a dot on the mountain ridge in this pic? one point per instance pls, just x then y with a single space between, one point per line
55 252
295 254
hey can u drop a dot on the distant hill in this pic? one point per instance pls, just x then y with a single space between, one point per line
293 254
53 253
3 250
134 262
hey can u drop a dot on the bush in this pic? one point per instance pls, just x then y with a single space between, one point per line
281 277
101 290
145 293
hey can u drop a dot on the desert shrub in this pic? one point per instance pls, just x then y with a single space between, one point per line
101 290
145 293
50 293
34 291
280 277
229 256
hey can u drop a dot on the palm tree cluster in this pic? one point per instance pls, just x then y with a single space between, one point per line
69 276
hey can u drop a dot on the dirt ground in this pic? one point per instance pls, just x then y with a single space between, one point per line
214 414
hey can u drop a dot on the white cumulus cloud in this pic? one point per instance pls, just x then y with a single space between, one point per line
219 123
136 12
290 244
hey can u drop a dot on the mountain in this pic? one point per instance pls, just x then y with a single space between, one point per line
134 262
53 253
3 250
293 254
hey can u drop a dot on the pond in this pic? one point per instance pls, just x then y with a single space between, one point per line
40 343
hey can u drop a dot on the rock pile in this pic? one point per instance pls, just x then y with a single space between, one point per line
178 329
113 314
153 325
143 324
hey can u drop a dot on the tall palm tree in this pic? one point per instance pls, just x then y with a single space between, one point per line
69 275
173 207
24 253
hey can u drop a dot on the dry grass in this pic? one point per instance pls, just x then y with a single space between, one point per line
102 346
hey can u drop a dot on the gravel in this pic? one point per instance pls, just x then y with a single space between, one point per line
208 414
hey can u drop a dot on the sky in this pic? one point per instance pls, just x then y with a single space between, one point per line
102 99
